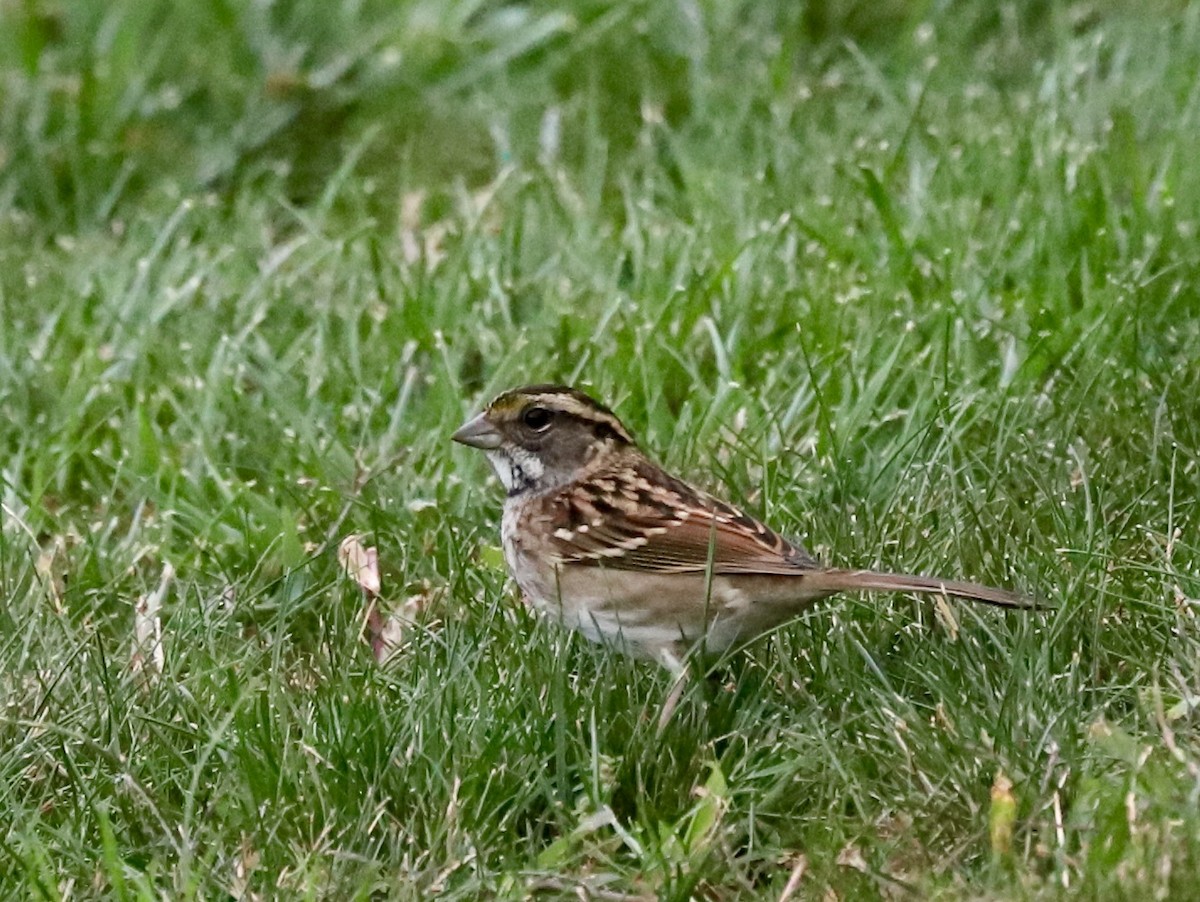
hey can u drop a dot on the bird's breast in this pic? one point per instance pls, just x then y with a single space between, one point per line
648 614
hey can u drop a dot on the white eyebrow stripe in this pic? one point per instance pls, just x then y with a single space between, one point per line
572 406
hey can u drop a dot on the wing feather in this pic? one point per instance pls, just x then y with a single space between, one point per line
644 519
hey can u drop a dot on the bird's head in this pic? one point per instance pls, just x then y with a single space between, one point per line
540 437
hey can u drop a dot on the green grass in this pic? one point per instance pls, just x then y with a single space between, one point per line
917 282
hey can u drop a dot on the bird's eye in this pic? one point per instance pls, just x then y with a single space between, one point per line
536 418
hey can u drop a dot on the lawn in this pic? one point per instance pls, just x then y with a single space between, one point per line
919 283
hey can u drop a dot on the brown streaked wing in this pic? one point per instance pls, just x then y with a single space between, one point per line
655 523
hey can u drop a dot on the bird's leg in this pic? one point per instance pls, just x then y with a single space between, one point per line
682 670
668 656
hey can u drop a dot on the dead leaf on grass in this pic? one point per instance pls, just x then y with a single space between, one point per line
51 569
387 631
361 563
384 626
244 865
148 657
799 866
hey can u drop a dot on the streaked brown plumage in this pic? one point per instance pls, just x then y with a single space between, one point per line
604 540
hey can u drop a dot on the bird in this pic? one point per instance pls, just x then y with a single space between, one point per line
603 540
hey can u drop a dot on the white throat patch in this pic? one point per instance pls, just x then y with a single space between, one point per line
517 468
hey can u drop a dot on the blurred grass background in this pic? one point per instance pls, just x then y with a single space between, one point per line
917 281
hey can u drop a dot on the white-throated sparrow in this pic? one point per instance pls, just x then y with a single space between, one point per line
604 540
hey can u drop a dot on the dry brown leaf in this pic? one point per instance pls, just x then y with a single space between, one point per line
384 626
851 856
946 616
799 866
418 241
410 225
361 563
147 657
51 569
386 631
244 865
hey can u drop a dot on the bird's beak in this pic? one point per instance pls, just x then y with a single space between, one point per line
478 433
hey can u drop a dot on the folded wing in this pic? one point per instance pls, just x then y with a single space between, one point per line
654 523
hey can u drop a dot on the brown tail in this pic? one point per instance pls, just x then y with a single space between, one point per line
870 580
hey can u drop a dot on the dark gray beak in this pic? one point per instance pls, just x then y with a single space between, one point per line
478 433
